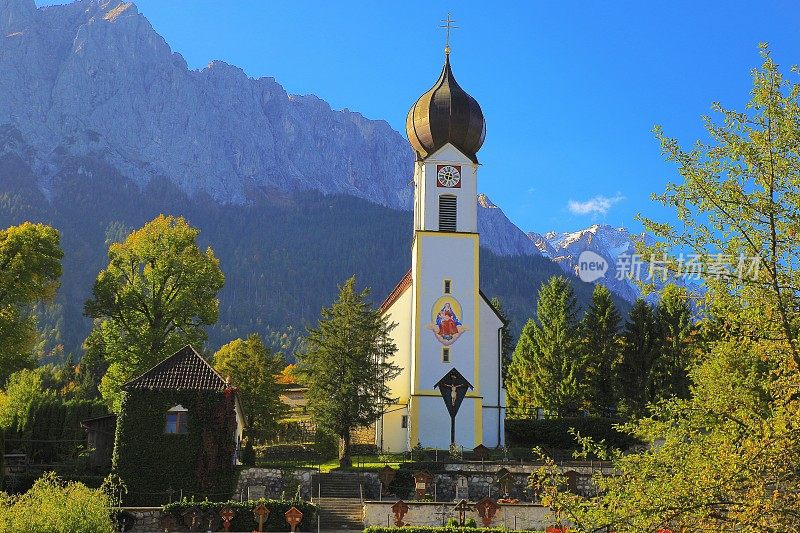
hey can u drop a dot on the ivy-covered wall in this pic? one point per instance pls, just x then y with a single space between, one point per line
156 467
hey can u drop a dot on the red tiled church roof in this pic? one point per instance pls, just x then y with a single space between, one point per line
184 370
396 292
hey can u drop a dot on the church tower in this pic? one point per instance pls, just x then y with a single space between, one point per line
445 323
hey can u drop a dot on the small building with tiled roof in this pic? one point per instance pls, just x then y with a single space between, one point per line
179 429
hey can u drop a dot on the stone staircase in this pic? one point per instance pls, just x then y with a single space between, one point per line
340 513
338 497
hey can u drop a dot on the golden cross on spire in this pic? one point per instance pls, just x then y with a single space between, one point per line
448 25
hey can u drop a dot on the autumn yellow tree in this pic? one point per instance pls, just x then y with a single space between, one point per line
725 459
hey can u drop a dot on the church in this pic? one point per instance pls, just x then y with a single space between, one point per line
448 334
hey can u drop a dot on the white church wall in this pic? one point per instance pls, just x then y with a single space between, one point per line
490 374
390 433
434 423
392 437
401 313
446 257
467 214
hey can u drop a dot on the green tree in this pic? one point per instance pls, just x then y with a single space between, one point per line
155 296
639 353
347 366
726 458
252 368
601 347
30 269
675 337
507 343
547 365
519 376
23 389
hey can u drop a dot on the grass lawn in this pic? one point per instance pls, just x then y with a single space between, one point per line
360 462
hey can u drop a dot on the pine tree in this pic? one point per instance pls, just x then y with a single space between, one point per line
520 375
639 353
675 331
548 363
601 348
347 366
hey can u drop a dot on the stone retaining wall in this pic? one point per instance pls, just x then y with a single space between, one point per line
147 518
511 516
276 481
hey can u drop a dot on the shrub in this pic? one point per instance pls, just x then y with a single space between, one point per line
554 434
244 520
53 506
326 444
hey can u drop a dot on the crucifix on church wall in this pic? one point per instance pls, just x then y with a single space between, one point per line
453 387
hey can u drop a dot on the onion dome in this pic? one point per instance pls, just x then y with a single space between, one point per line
446 114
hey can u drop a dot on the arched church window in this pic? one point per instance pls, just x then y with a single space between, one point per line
177 420
447 213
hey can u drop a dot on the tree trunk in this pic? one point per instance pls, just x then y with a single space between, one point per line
344 450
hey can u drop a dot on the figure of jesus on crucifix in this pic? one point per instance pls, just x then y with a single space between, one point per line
454 390
450 387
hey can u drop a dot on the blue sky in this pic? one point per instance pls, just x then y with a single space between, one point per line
570 90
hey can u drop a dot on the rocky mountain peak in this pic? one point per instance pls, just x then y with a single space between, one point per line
16 16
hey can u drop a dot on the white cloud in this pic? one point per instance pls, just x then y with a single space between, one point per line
599 205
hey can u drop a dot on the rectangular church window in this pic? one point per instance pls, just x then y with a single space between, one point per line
447 284
404 421
445 355
447 213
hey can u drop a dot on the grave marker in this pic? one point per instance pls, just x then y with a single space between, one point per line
261 513
226 514
462 488
399 509
422 481
293 517
487 508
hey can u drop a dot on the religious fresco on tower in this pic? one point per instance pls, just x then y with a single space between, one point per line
446 322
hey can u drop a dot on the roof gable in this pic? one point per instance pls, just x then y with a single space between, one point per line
184 370
398 291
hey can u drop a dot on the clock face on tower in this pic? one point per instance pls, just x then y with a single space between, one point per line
448 176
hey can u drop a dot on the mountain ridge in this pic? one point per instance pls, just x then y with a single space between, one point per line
104 127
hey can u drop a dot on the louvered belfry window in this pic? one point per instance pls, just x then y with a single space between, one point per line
447 213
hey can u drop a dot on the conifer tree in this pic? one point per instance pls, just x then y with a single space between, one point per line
520 376
675 331
639 353
601 347
548 354
347 366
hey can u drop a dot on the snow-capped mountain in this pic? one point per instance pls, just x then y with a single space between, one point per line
604 240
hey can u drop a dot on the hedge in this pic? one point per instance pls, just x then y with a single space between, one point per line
51 428
430 529
244 520
554 434
157 467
